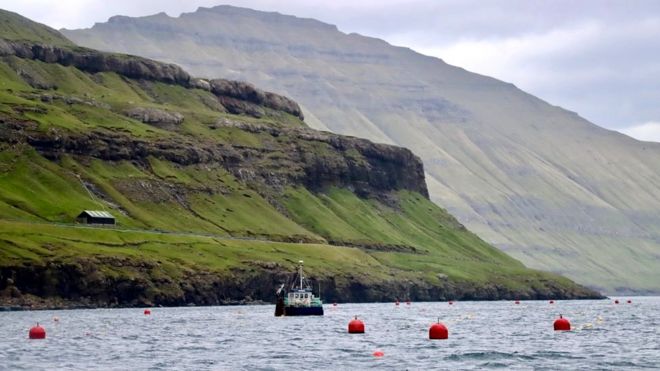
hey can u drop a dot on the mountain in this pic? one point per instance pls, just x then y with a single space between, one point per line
218 188
539 182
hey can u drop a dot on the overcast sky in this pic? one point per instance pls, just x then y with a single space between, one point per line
596 57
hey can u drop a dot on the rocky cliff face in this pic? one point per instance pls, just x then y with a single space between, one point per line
238 97
81 285
306 157
376 168
93 61
236 94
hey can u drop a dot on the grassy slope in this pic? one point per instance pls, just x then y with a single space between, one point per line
16 27
160 195
37 190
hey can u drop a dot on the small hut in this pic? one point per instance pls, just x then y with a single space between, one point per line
95 217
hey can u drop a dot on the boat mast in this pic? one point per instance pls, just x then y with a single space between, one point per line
301 273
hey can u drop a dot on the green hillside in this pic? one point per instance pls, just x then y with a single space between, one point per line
16 27
541 183
218 189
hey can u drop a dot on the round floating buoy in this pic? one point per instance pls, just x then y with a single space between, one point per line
517 301
147 312
562 324
616 301
56 319
396 303
407 302
552 301
334 304
356 326
438 331
629 301
451 302
378 353
37 332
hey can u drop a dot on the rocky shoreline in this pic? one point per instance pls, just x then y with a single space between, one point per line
82 285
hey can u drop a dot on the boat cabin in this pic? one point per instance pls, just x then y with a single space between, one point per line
300 297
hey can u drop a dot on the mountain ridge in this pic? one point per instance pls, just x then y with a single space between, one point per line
218 189
538 181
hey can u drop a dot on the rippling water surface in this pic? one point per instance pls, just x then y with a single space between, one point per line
482 335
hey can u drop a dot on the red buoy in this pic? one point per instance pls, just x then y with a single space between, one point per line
147 312
616 301
517 301
356 326
562 324
552 301
37 332
438 331
397 303
451 302
629 301
407 302
378 353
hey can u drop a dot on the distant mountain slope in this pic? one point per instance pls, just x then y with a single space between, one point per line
541 183
219 189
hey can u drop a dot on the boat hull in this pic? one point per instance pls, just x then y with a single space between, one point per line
303 311
284 310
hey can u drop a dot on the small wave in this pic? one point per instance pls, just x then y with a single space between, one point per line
480 356
495 365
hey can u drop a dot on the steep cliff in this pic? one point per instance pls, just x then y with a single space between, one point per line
218 189
539 182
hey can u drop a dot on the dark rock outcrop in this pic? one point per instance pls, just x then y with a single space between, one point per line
245 92
324 159
238 97
305 157
82 283
93 61
156 117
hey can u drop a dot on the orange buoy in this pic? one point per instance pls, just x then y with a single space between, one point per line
616 301
356 326
562 324
37 332
438 331
378 353
147 312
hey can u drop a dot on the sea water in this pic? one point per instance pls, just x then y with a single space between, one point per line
482 335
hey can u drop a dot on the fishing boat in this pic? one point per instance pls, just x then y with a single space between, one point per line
296 298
